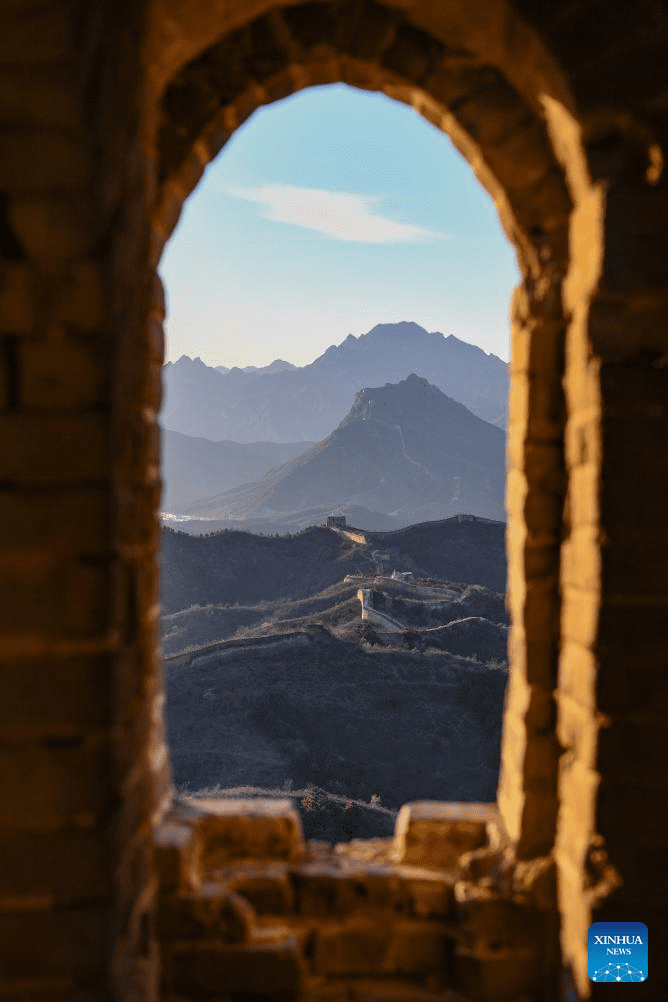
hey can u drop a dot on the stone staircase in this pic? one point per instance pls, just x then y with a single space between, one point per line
441 912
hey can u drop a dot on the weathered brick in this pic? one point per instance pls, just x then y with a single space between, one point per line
54 597
267 887
393 990
42 449
202 968
320 892
62 373
41 34
492 113
261 828
66 520
80 304
419 948
171 207
64 942
42 159
38 95
156 336
354 946
56 693
56 781
209 912
145 790
434 835
487 921
504 973
176 856
634 625
581 559
65 865
158 307
632 753
580 616
431 898
18 297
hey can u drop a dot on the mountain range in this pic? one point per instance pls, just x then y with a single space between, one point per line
194 468
289 404
405 450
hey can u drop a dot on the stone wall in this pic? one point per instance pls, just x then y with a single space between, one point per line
110 112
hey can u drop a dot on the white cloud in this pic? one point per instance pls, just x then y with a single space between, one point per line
340 215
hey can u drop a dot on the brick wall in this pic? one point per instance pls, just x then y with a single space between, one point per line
109 114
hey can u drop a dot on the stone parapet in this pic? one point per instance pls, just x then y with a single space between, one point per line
441 911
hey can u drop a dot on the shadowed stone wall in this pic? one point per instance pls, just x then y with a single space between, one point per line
110 113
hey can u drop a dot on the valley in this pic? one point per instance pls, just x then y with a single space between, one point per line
333 620
351 674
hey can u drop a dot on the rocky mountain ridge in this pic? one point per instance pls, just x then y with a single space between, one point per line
287 404
405 450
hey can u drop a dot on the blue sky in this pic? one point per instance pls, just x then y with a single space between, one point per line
325 214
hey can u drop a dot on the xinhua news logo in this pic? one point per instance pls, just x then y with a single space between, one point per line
617 951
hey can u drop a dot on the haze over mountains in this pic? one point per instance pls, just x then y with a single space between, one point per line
299 659
288 404
275 675
405 450
194 468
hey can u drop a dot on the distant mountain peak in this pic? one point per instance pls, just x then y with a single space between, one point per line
414 394
287 403
187 360
404 328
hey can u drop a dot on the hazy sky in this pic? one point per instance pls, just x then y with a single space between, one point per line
325 214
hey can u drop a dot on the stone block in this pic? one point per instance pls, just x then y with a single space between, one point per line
320 891
64 866
632 626
58 781
18 298
580 616
81 301
66 520
65 943
61 599
636 566
354 946
247 829
488 922
529 146
504 974
418 949
206 969
267 887
431 898
396 990
492 113
42 159
205 913
412 54
39 96
434 834
61 373
581 558
41 33
176 856
55 695
43 449
486 864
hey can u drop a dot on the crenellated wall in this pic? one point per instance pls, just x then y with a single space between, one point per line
110 112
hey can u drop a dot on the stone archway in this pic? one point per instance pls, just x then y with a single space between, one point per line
82 219
375 48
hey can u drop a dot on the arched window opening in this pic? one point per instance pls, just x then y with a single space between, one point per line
337 347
